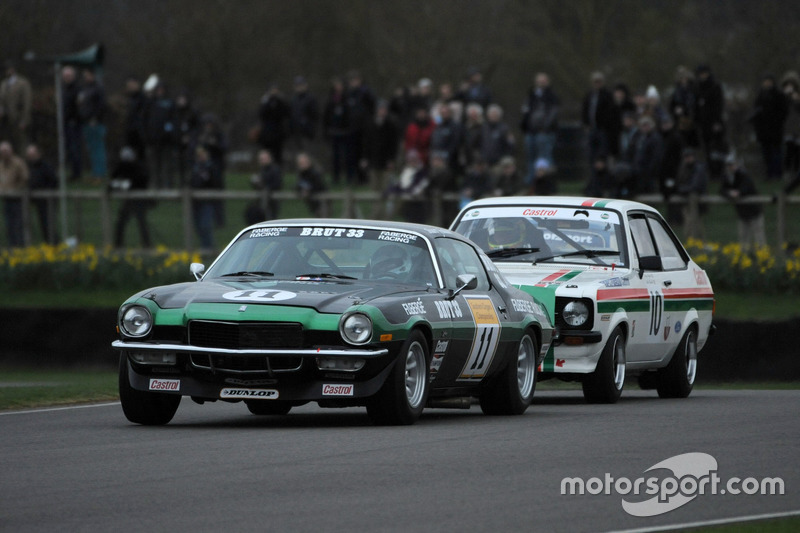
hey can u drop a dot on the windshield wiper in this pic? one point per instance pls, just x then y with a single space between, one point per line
511 252
587 253
324 275
255 273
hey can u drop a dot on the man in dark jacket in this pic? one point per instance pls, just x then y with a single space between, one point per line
599 119
709 110
361 108
381 143
498 141
647 156
161 137
73 139
540 123
337 129
309 183
692 182
41 177
447 139
273 113
205 175
268 179
130 175
737 185
669 167
769 116
92 110
187 124
304 114
134 116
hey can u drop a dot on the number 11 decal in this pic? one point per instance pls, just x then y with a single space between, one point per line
486 340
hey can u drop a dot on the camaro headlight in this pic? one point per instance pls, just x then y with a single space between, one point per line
136 321
575 313
356 328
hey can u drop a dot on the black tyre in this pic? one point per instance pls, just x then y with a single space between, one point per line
402 398
143 407
268 407
511 392
676 380
604 385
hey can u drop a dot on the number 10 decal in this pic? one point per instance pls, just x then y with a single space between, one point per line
656 311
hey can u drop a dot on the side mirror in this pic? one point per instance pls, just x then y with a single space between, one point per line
197 270
465 281
650 262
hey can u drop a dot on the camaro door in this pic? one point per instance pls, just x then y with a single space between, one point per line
477 315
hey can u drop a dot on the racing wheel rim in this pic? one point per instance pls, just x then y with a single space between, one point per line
619 363
691 357
415 374
526 367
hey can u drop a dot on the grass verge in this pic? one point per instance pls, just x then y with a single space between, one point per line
25 389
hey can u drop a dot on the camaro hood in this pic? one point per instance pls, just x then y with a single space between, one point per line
329 296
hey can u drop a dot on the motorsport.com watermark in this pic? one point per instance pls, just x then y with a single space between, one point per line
693 474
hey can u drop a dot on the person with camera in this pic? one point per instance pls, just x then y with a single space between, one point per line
130 175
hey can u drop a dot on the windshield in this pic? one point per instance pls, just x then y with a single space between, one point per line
327 253
547 234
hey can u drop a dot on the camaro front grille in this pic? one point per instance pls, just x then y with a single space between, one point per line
243 335
245 364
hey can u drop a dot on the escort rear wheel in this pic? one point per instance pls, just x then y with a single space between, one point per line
676 380
402 398
144 407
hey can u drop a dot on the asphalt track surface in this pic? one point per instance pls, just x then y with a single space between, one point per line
218 468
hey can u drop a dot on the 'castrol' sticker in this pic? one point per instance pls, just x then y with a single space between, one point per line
259 295
337 390
165 384
249 394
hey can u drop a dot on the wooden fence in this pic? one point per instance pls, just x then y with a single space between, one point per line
347 200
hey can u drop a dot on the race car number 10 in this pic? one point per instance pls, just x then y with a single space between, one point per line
656 311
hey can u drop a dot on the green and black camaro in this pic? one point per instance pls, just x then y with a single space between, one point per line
391 316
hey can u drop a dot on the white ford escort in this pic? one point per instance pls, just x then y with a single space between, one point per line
622 292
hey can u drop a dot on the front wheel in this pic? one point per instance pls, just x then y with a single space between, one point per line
144 407
402 398
676 380
511 392
604 385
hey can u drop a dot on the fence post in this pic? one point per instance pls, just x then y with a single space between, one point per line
693 224
186 201
78 219
781 221
264 202
436 208
51 220
25 200
105 215
347 207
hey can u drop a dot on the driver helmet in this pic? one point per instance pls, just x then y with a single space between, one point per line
507 233
390 261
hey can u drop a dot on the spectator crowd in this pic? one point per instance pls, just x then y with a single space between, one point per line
423 137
